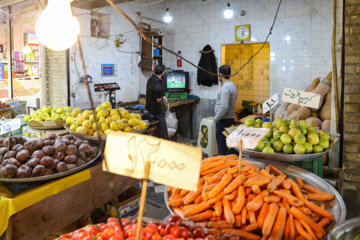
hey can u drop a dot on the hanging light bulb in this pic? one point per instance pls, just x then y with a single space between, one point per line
228 12
167 17
56 27
27 49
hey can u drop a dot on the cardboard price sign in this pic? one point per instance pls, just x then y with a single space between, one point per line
10 125
250 137
306 99
171 163
270 103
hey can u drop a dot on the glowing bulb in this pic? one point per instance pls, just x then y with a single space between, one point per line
27 49
167 17
228 13
56 27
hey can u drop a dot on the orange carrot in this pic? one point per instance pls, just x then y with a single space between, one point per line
272 198
270 219
274 183
295 188
286 205
218 208
176 191
292 228
280 204
242 234
219 224
275 169
233 170
193 195
299 180
286 184
266 174
217 158
308 229
189 206
232 195
179 212
215 169
251 196
305 210
297 203
217 198
299 237
243 215
279 226
256 189
320 196
262 214
207 166
201 216
221 185
253 175
251 227
260 181
301 230
322 205
312 189
239 180
238 220
324 222
183 192
228 214
256 203
198 199
248 191
252 217
176 203
170 189
287 229
320 232
213 179
314 217
240 201
233 162
284 194
197 209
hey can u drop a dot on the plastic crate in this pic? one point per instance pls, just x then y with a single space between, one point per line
315 165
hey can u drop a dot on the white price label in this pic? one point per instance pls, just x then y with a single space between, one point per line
10 125
270 103
307 99
249 136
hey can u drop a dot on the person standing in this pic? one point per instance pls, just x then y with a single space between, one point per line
224 108
155 100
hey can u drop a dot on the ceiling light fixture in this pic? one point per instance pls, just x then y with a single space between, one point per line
167 17
228 12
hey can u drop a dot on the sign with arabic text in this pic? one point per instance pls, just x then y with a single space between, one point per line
307 99
12 125
250 137
172 163
270 103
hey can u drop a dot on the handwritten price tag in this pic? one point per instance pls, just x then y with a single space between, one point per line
270 103
249 136
12 124
307 99
172 163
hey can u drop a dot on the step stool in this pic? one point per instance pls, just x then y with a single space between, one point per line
207 137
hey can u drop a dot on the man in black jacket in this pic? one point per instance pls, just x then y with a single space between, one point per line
155 100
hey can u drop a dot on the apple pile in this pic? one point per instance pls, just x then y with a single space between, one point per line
289 136
47 113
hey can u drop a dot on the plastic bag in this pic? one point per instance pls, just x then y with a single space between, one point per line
171 120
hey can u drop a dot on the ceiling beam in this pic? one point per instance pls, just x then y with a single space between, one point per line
5 3
92 4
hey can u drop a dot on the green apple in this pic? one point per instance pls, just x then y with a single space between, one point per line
45 115
325 136
267 125
265 139
257 125
258 121
280 123
46 109
292 123
285 139
300 139
318 149
59 110
304 131
313 138
277 134
308 147
293 132
269 134
303 124
278 145
268 150
260 146
324 143
299 149
27 118
267 144
284 129
67 109
272 140
288 148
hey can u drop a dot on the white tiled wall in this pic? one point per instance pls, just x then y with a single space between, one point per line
306 24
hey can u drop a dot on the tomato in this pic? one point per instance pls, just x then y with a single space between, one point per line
94 229
199 239
175 231
117 230
156 236
65 236
150 228
168 227
188 226
113 222
125 221
117 237
80 234
198 233
168 237
184 232
210 237
175 219
149 235
102 227
107 233
161 229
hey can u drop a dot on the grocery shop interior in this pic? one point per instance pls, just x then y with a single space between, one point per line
198 119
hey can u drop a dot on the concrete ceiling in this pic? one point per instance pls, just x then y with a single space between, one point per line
92 4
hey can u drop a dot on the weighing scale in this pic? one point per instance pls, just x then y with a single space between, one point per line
110 88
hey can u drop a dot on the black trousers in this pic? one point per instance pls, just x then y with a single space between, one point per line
220 138
162 129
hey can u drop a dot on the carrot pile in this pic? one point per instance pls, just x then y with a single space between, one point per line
257 204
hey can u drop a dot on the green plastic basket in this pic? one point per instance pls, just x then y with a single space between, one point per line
315 165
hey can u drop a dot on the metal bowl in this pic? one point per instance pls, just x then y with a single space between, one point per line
336 206
345 228
50 177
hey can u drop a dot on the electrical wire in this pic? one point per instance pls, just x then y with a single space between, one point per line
146 38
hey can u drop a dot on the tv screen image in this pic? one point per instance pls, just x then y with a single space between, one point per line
176 81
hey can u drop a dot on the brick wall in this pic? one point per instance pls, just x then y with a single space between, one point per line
56 78
351 108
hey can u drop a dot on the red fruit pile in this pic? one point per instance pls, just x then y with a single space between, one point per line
173 229
4 105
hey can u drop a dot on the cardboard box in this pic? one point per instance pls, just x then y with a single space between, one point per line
128 204
6 114
34 133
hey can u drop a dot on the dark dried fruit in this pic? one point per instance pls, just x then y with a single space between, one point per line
88 159
60 146
71 150
86 142
48 150
56 162
72 141
2 141
22 155
79 162
1 159
20 139
52 136
39 144
4 162
30 145
85 148
61 167
10 154
3 150
38 154
9 171
58 155
49 142
14 162
70 166
78 142
24 171
47 161
66 141
70 159
49 171
81 155
33 162
18 147
9 142
38 171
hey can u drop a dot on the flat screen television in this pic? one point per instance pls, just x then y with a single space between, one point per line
176 81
